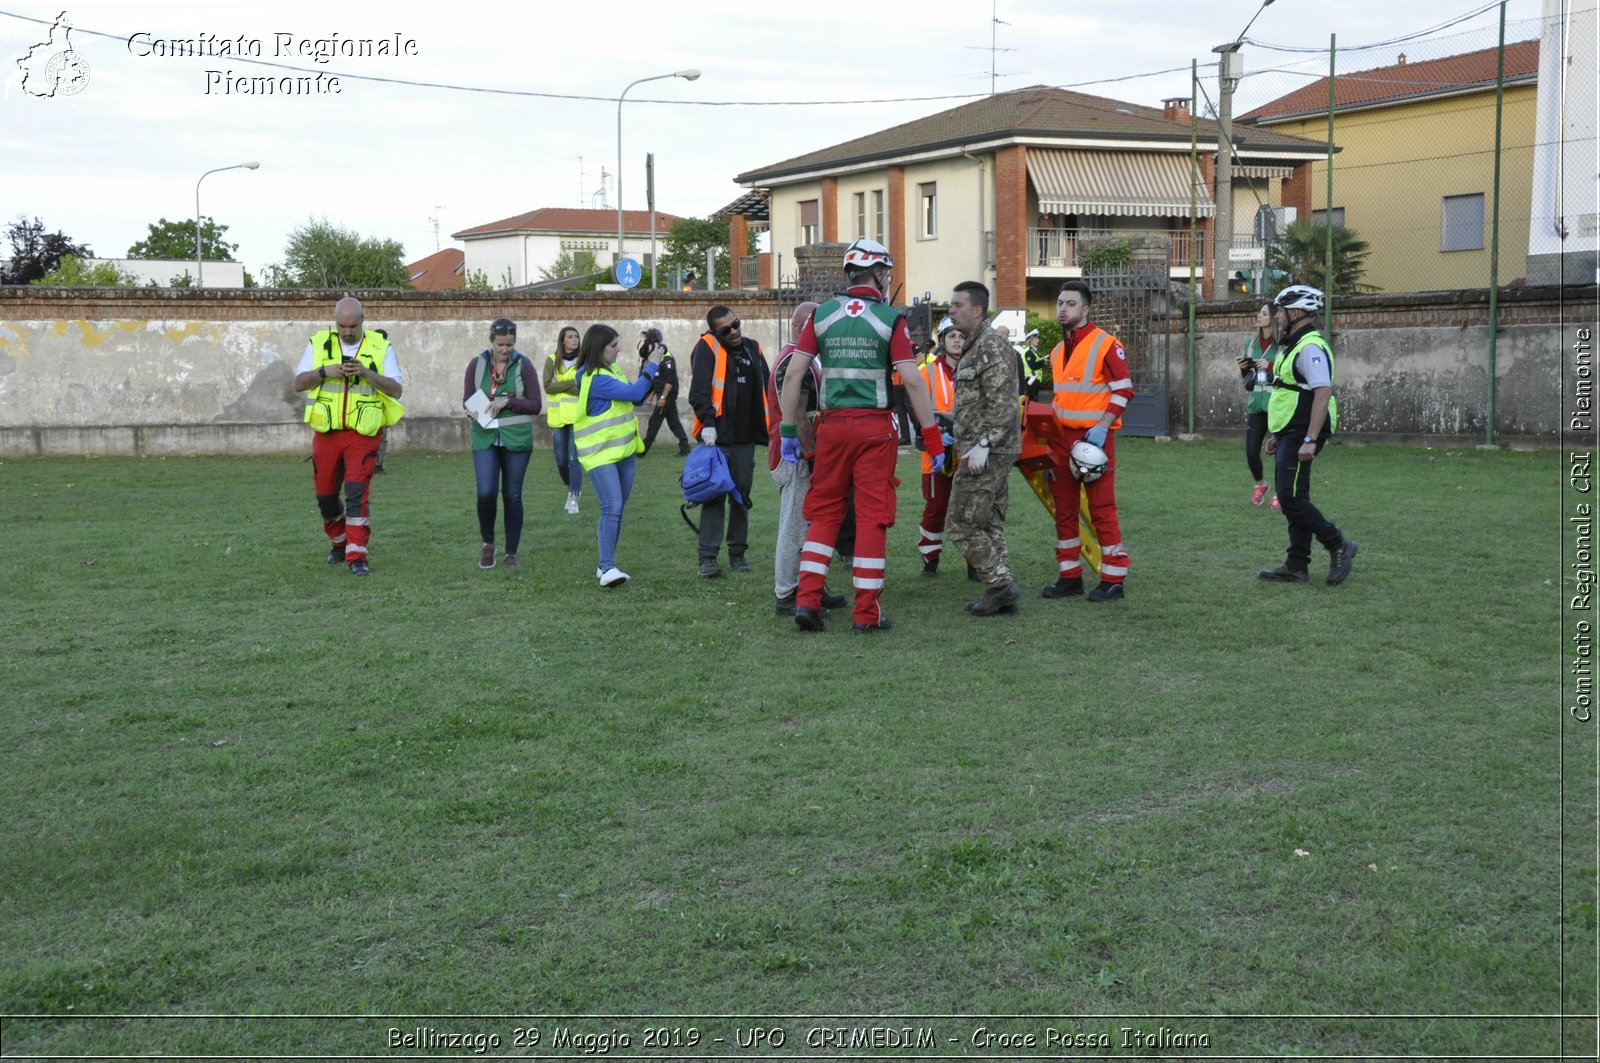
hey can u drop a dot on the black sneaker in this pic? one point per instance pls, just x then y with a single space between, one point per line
359 568
1340 559
1064 588
1107 592
807 619
738 563
997 600
336 556
930 569
883 624
785 605
683 448
833 601
709 569
1282 574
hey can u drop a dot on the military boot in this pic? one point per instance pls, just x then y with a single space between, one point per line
1001 599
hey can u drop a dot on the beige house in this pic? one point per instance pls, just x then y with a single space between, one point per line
1012 189
513 252
1414 176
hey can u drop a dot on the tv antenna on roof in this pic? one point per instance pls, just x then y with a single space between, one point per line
995 22
434 221
600 193
583 178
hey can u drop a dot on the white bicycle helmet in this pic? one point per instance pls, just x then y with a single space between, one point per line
945 326
1089 462
865 254
1300 297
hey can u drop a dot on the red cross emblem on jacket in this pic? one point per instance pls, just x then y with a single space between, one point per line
855 307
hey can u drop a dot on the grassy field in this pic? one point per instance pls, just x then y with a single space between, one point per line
1297 820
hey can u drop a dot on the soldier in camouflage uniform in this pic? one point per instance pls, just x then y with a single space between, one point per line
988 439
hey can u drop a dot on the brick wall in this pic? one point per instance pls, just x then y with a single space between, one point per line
1011 227
830 209
897 213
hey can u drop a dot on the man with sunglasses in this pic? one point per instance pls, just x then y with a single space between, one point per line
728 393
859 338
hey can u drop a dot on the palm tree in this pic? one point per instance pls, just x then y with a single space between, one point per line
1300 254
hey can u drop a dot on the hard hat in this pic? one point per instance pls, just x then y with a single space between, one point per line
945 326
1300 297
1031 334
865 254
1089 462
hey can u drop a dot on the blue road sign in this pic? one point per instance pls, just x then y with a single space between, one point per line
628 272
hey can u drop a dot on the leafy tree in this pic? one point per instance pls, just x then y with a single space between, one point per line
1301 251
1049 331
476 280
571 264
35 253
75 272
320 254
686 247
175 240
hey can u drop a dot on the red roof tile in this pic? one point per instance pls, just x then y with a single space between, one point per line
1403 82
571 220
439 271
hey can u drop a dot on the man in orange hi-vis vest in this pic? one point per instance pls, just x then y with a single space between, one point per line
728 393
1092 387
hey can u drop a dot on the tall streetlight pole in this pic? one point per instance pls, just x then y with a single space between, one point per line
199 256
687 75
1229 69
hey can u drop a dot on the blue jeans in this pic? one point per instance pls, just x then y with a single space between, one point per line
566 451
612 485
500 471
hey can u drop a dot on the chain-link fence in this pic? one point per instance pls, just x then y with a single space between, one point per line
1443 163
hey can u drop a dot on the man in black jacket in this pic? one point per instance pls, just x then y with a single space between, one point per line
728 393
663 395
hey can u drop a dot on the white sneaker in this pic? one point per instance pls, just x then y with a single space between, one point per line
572 504
612 577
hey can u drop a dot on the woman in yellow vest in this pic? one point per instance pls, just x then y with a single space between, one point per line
561 409
606 435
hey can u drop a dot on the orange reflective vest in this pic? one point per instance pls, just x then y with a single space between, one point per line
719 377
1082 387
942 390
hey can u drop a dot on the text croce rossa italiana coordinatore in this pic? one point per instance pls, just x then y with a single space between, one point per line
287 46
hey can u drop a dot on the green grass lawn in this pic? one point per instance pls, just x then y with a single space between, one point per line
238 781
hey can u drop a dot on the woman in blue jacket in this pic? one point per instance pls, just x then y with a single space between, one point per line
607 435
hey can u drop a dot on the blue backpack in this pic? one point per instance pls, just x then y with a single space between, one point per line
706 478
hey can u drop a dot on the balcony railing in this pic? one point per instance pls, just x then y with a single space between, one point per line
1058 248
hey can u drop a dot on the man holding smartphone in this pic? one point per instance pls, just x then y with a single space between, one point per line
353 381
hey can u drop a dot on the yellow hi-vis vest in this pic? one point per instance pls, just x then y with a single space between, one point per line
610 437
337 404
1290 404
561 408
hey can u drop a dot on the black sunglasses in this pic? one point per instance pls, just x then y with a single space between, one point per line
729 327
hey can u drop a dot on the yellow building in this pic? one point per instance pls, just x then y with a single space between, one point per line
1414 174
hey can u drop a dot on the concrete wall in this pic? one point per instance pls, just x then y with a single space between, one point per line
142 371
1411 368
136 371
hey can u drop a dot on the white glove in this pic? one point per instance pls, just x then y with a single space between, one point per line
976 459
708 436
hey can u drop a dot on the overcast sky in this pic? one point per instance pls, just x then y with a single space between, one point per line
386 159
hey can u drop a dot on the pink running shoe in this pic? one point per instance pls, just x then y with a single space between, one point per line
1258 494
1274 502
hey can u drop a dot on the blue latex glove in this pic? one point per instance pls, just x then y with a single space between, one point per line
938 462
789 449
1096 436
949 440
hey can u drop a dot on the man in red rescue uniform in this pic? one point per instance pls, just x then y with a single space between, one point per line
1092 388
859 339
939 374
344 369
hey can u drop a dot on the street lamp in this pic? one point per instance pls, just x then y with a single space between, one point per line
199 257
687 75
1229 70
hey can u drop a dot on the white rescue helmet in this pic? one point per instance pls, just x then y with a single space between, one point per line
1089 462
1300 297
945 326
865 254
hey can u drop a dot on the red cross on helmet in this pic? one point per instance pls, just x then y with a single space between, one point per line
865 254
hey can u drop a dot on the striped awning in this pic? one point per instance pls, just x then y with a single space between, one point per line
1115 182
1263 172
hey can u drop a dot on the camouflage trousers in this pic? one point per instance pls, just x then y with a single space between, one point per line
976 525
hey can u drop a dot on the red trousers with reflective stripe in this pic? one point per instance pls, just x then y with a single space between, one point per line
1102 511
346 458
936 495
856 451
